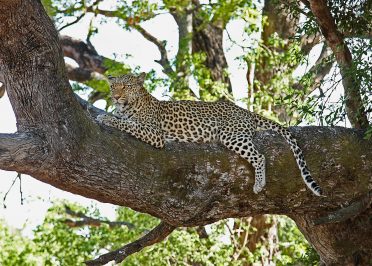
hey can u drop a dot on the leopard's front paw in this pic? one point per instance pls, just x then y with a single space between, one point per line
257 188
103 118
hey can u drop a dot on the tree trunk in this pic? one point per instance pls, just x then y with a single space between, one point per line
59 143
208 39
181 88
346 243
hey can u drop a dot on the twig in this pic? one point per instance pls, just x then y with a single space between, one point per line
236 43
20 189
73 22
86 220
343 214
156 235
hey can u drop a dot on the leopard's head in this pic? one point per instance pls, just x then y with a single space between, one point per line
127 88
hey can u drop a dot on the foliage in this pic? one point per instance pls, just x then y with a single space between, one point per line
14 248
55 243
275 61
294 248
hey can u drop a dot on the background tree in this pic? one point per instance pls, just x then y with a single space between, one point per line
208 21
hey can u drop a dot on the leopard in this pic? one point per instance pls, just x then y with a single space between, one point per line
158 122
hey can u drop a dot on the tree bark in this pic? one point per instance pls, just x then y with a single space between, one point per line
340 243
59 143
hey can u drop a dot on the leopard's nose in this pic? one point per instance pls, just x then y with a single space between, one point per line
116 96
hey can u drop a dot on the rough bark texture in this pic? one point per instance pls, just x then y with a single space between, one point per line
184 184
340 243
354 106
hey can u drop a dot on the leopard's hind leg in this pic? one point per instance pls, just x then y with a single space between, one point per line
242 144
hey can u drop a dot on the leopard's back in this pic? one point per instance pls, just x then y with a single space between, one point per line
192 121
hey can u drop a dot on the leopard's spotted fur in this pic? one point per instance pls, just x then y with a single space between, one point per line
155 122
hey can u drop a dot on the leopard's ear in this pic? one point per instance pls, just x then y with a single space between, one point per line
141 77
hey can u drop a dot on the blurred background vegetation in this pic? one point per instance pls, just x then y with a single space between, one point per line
291 76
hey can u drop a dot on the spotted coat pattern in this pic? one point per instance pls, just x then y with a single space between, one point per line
156 122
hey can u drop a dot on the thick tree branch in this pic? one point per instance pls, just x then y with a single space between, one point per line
154 236
85 55
16 149
354 105
82 74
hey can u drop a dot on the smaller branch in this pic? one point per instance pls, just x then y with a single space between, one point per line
232 234
106 13
86 220
235 42
164 61
320 69
156 235
344 214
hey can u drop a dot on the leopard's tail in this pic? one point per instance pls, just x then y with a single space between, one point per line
305 173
